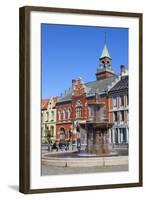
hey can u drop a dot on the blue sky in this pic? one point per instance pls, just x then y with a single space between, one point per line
69 52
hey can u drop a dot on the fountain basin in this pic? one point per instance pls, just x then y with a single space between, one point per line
83 160
81 154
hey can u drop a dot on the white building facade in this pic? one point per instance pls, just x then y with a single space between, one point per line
119 112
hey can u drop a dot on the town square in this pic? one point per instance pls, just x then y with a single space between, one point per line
85 128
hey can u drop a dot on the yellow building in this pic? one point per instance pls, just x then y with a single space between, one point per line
48 119
51 116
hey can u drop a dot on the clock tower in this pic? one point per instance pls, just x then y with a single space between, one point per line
105 69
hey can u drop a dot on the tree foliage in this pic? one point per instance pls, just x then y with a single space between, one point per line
48 137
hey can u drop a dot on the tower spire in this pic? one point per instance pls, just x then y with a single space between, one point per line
105 52
105 69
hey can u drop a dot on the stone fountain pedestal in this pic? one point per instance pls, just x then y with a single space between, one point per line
97 143
94 131
97 138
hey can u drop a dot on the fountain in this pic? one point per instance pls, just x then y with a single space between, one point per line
92 134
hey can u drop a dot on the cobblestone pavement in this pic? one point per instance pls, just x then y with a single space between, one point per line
49 170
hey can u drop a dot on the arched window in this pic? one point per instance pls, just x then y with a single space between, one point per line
48 116
64 114
69 113
62 135
89 111
52 115
78 110
52 131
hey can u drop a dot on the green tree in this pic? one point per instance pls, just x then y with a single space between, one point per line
48 137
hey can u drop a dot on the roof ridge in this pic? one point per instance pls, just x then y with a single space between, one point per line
101 79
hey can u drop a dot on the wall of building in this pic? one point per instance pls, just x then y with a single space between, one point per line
64 119
51 124
119 134
43 124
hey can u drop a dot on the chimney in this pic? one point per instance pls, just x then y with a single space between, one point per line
73 81
73 86
123 70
